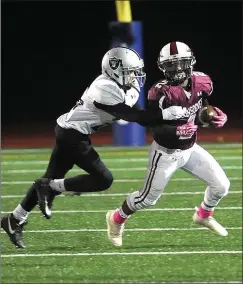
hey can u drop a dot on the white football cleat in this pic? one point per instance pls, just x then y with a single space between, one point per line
210 223
114 230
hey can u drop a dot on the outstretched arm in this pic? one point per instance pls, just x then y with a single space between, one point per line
143 117
131 114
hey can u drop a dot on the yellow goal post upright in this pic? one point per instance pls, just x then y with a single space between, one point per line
126 32
123 11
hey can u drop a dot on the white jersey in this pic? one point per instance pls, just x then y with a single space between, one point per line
85 117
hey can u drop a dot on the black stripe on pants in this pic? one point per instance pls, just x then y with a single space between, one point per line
150 179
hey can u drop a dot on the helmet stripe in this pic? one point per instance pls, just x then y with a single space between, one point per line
173 48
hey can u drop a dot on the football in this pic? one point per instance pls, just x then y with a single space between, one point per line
206 114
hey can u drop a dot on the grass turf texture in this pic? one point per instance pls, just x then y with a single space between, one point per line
160 244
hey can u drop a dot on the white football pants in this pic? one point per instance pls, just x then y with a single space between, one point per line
164 162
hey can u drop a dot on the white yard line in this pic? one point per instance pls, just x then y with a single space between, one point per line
28 171
126 193
127 230
119 180
122 253
114 160
144 210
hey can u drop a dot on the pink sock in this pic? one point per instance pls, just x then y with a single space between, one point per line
117 218
202 213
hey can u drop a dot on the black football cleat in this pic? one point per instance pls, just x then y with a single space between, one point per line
45 196
14 229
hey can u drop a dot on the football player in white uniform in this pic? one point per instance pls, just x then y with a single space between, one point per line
174 146
112 95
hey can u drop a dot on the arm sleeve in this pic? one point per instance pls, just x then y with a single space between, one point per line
161 129
122 111
137 106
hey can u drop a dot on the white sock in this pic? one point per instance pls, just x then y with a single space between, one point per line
58 185
20 214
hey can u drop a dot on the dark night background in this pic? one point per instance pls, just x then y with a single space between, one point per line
52 50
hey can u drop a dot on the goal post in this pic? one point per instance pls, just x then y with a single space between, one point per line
127 32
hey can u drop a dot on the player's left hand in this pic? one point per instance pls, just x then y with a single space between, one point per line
187 129
220 119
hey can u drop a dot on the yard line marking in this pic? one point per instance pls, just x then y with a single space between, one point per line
122 180
114 160
144 210
126 193
123 253
26 171
127 230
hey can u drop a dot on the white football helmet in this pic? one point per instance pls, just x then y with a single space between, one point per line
125 66
176 60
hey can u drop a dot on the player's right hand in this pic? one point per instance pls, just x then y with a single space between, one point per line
220 119
174 112
187 129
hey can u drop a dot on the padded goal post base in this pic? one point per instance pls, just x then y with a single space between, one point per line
128 34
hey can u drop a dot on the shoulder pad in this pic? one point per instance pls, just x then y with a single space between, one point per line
156 91
160 84
198 73
202 82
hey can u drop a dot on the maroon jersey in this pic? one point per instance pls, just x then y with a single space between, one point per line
165 95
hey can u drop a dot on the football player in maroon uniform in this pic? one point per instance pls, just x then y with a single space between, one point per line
174 146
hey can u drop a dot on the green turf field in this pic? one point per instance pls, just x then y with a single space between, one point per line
160 245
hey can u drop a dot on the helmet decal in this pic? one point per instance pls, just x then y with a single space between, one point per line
114 62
